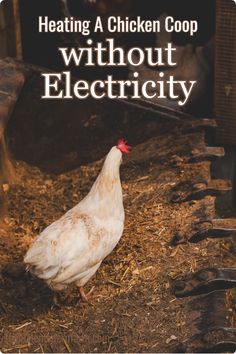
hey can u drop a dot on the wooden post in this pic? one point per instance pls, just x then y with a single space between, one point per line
10 38
225 72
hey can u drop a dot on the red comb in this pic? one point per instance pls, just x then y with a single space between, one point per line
123 147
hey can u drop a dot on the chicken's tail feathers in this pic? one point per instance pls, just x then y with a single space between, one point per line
40 267
35 256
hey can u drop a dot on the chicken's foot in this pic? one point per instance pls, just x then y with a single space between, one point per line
84 296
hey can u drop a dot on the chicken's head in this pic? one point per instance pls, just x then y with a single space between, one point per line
123 147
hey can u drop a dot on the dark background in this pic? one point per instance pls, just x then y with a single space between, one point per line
41 49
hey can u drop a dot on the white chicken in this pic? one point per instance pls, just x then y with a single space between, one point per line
72 248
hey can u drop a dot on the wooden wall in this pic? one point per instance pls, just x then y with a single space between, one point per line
225 72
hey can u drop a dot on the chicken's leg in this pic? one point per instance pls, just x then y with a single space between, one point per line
84 296
56 301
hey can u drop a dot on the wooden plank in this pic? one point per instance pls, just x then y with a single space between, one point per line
205 281
199 189
208 325
207 228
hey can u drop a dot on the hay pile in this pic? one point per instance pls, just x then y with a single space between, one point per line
132 308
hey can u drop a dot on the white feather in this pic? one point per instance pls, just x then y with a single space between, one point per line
73 247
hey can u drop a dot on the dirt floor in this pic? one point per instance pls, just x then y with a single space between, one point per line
132 308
